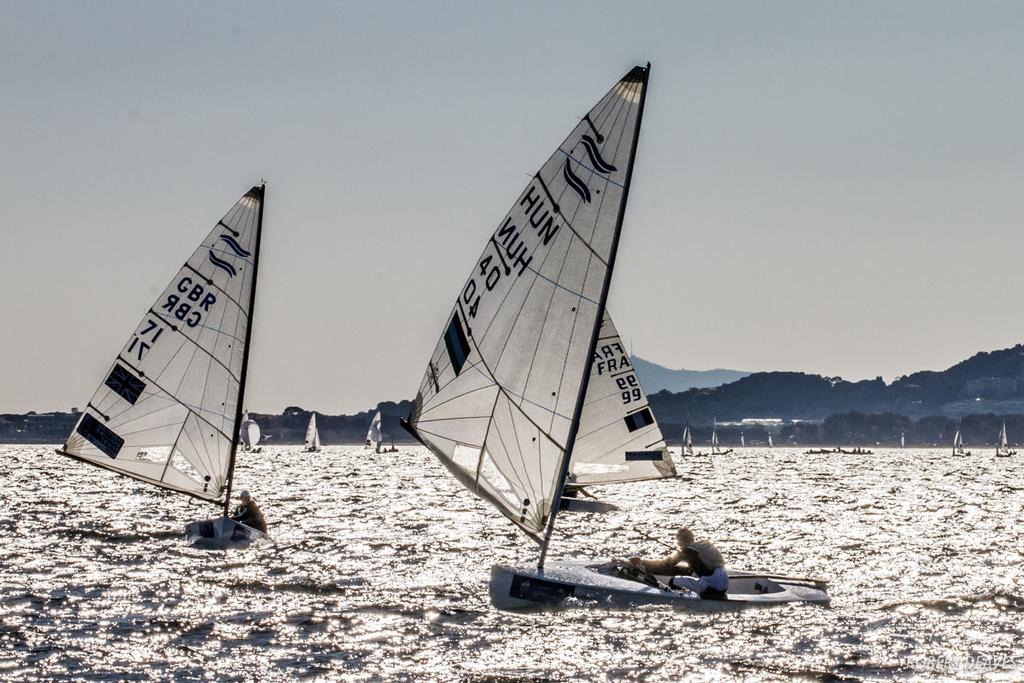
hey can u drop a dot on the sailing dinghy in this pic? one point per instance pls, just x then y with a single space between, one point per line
958 444
375 435
249 435
169 410
312 436
502 400
715 448
1003 449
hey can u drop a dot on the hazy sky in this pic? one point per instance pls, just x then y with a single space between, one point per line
830 187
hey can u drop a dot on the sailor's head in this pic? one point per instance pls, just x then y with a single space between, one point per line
245 497
684 537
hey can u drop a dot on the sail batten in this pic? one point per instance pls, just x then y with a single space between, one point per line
169 409
499 402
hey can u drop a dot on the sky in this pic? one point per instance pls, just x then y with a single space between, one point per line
828 187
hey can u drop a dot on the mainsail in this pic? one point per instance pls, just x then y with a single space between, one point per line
312 435
501 400
619 439
958 443
375 433
687 441
168 410
714 438
249 433
771 444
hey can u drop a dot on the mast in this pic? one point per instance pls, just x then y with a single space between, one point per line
602 302
245 354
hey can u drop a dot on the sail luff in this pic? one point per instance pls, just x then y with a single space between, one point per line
245 353
595 333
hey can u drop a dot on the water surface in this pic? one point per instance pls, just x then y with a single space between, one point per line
380 564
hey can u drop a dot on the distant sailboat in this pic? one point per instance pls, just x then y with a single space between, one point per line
249 435
687 441
771 444
169 410
715 450
903 440
312 436
743 441
502 400
375 434
1003 449
958 444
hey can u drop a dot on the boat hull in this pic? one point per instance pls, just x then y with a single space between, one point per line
566 583
221 533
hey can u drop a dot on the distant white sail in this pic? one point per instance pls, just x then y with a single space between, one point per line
375 434
312 435
714 438
1003 442
743 441
249 433
903 440
771 444
168 410
687 441
499 399
958 443
619 439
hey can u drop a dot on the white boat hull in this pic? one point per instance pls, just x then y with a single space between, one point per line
526 587
221 533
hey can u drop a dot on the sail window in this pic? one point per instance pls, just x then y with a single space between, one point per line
99 436
458 346
639 420
644 455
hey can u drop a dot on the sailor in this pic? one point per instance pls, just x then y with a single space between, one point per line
249 513
701 558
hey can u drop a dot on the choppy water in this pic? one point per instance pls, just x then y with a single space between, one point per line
380 566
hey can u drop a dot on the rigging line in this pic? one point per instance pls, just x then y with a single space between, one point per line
193 409
563 287
181 332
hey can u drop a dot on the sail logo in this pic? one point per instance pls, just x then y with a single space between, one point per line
234 245
639 420
125 384
596 160
222 264
575 182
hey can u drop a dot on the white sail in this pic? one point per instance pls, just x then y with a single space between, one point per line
312 435
687 441
500 393
903 440
375 434
714 438
958 443
619 439
771 444
249 433
743 441
168 410
1003 442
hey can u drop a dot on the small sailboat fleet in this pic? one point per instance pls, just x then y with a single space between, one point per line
312 442
1003 448
169 409
506 400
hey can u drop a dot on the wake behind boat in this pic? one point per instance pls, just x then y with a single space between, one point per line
502 401
169 412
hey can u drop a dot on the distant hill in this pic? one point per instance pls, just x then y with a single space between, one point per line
988 382
655 378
